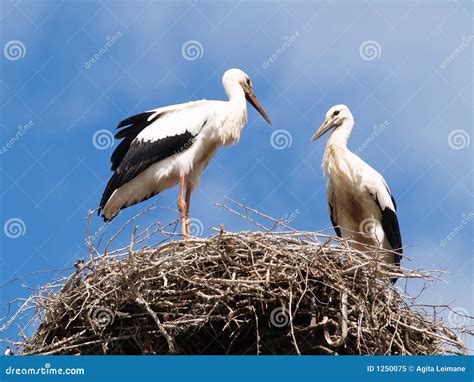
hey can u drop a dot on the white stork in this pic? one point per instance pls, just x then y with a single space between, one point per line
174 144
360 204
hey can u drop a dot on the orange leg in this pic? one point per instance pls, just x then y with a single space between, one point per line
187 203
182 208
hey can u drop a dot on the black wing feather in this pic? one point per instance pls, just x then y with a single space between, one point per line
135 119
132 156
391 228
133 126
333 220
140 156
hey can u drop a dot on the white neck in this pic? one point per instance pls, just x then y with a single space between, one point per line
340 134
237 100
335 154
236 119
236 94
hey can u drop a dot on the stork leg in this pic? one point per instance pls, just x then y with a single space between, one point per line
187 202
182 208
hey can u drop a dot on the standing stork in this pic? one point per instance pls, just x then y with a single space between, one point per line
174 144
360 204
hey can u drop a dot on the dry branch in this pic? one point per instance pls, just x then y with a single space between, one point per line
237 293
279 291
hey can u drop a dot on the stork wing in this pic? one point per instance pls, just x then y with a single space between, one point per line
332 213
150 137
388 209
131 127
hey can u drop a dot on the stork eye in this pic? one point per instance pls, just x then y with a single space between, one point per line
335 113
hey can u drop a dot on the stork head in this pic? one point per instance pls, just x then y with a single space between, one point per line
234 78
335 117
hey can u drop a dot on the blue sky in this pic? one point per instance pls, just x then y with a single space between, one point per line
403 68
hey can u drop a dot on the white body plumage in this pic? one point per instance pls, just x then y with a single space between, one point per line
225 123
359 201
174 142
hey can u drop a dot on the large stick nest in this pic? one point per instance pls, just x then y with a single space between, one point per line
237 293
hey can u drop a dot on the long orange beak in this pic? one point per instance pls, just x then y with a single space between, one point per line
327 125
250 96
